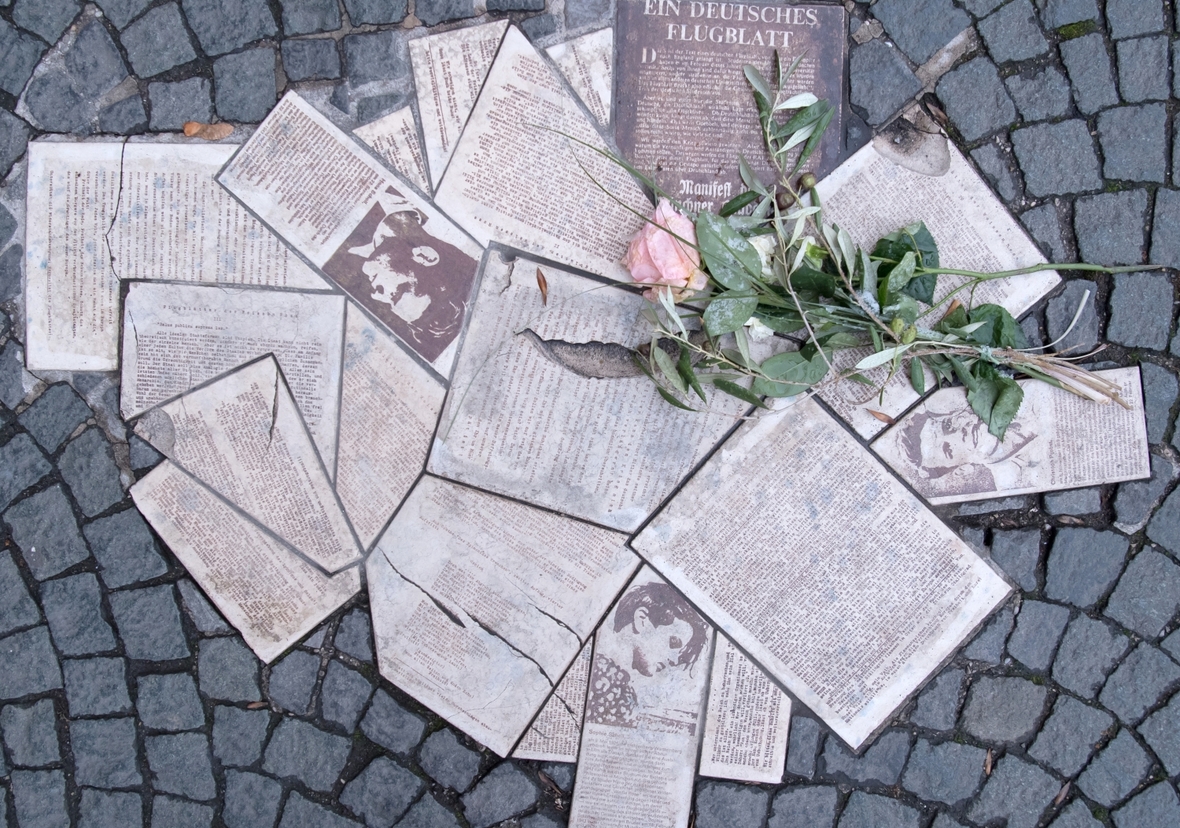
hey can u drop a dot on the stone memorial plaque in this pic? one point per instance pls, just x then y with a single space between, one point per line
480 604
243 436
528 416
519 177
178 336
642 727
588 63
1057 441
271 595
685 112
395 138
555 733
747 721
101 212
837 580
389 406
388 248
449 69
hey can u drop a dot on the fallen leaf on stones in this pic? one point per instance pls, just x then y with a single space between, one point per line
987 764
208 132
885 418
543 284
1072 521
544 777
258 705
1061 794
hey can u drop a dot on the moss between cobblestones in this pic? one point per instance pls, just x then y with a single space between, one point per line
1082 27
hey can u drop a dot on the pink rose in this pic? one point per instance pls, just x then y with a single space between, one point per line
657 255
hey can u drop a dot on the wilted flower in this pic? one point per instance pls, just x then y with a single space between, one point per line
757 331
663 253
766 244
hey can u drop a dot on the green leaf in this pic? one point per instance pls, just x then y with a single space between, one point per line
901 275
780 322
770 388
1005 408
727 313
668 369
922 287
917 376
808 279
954 320
862 379
763 97
735 390
738 202
813 141
671 399
915 239
906 308
1001 330
796 371
684 368
881 357
729 257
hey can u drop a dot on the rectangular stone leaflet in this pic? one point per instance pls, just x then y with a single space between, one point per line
588 64
388 248
520 177
243 437
1057 441
527 418
748 720
101 212
802 548
480 604
921 176
271 595
554 734
176 337
642 727
389 406
395 138
686 110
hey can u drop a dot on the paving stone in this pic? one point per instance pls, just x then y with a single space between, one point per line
1139 682
392 726
251 800
30 664
802 745
562 774
947 773
1165 235
88 467
54 104
539 27
373 107
865 810
73 607
1159 384
1012 33
124 117
1056 159
313 756
13 135
729 805
310 59
433 12
1083 565
227 670
54 416
175 103
1164 527
448 761
584 13
803 807
1128 18
382 790
21 465
7 226
30 734
1017 790
1143 69
1116 770
16 605
149 623
1084 335
310 16
177 813
524 5
1074 502
881 80
938 703
1171 644
540 820
45 18
1003 708
245 84
105 753
1056 13
375 56
345 694
21 53
1090 72
203 614
96 686
179 763
122 12
504 792
378 11
427 813
1070 734
103 809
993 162
1038 629
238 735
988 644
169 702
1040 93
299 813
1148 594
1162 732
44 528
921 28
125 549
292 681
1017 552
93 62
1158 805
1135 500
1076 815
224 25
981 8
157 41
976 100
143 456
1087 653
39 799
1134 142
882 762
354 636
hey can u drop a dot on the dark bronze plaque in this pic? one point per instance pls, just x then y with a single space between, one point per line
684 111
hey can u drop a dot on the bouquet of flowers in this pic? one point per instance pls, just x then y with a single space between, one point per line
767 263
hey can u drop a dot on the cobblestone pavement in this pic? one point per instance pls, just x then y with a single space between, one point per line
125 700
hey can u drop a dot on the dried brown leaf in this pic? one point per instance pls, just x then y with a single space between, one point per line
954 306
208 132
546 780
885 418
1062 794
258 705
1072 521
543 284
987 763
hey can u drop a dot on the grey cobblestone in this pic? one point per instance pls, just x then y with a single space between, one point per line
1056 13
250 800
54 103
1090 72
377 11
993 162
301 813
125 549
30 734
310 16
1161 730
881 80
45 18
31 665
143 456
227 670
804 807
169 702
427 813
238 735
175 103
178 813
1110 227
988 644
976 100
1076 815
1016 790
124 117
1143 69
224 25
448 761
354 636
16 605
947 772
382 790
1088 652
157 41
1116 770
1134 142
198 609
96 686
376 56
1040 94
311 59
882 762
920 29
938 704
729 805
1148 594
21 465
585 13
245 85
149 623
39 799
1164 526
105 755
88 466
865 810
1056 158
1135 500
73 607
22 51
300 750
105 809
54 416
122 12
44 528
802 746
1158 805
1083 565
392 726
345 694
1165 234
179 764
1012 33
504 792
1128 18
1003 708
1159 388
1074 502
1039 627
1018 551
292 681
433 12
1138 683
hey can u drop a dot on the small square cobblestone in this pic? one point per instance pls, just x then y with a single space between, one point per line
54 416
149 623
169 702
125 549
384 789
96 686
1056 159
1111 227
1134 142
30 734
1091 73
238 735
1139 682
105 755
1116 771
1088 652
250 800
1039 627
73 607
180 765
30 665
1148 593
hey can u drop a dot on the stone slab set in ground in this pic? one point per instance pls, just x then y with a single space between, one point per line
125 699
